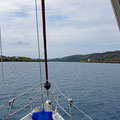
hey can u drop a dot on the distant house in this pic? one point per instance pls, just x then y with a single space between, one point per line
89 60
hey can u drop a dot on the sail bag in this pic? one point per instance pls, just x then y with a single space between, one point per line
43 115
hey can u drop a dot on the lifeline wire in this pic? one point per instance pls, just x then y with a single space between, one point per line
36 10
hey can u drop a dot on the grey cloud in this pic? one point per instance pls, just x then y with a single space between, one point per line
22 43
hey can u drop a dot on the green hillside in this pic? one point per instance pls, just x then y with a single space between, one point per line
106 57
19 59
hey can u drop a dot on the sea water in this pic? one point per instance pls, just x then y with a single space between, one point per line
94 87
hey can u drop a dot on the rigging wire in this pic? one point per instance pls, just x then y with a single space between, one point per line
36 11
2 69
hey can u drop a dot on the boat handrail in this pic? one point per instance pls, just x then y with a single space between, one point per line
13 99
26 92
81 111
24 106
36 96
63 109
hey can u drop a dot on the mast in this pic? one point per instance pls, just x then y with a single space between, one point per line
47 85
116 8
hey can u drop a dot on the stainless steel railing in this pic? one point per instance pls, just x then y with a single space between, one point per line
70 105
54 92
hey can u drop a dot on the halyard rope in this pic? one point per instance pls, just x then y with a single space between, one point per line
2 69
37 27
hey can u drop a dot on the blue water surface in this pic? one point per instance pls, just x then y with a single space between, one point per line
94 87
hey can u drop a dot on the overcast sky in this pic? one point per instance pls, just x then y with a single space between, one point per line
73 27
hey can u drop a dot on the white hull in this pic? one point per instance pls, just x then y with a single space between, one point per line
27 117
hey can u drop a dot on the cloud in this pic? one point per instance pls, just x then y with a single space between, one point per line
22 43
73 27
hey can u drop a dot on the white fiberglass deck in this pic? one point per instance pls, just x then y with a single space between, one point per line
47 107
56 116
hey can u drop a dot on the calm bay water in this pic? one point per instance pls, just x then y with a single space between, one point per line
94 87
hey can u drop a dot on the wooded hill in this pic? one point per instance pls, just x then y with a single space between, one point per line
106 57
19 59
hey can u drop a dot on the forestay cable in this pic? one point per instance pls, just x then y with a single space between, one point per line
36 10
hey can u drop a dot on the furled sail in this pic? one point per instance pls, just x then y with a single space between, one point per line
116 8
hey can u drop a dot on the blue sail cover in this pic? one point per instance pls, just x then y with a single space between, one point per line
42 115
